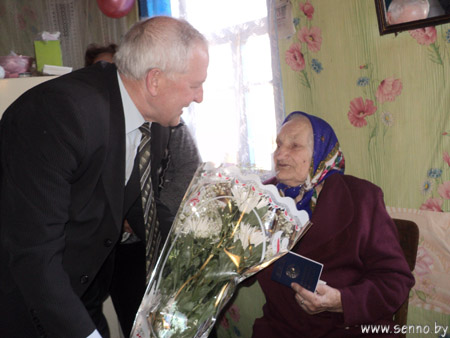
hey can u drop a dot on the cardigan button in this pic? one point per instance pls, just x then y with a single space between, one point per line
84 279
107 242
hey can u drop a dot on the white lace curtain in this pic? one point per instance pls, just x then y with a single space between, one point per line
80 22
243 104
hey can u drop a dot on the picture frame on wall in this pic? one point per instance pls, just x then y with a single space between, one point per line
436 12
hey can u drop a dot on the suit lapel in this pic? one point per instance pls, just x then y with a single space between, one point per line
114 170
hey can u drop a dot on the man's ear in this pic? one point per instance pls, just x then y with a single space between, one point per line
152 80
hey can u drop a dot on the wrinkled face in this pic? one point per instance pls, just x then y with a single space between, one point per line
179 91
294 152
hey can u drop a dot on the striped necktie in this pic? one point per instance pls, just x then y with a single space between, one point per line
152 234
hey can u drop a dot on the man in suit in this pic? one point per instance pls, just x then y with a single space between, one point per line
181 158
67 150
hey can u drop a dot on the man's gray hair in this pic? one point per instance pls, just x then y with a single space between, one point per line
160 42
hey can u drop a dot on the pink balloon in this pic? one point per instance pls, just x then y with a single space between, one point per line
115 8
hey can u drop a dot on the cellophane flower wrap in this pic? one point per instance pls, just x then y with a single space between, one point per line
228 227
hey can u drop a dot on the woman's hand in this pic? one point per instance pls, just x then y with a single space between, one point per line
325 298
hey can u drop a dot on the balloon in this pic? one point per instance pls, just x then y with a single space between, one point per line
115 8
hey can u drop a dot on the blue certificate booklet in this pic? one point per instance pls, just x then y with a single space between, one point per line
295 268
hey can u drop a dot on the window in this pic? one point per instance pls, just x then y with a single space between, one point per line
237 121
149 8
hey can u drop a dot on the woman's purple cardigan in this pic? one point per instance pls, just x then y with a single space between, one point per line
356 240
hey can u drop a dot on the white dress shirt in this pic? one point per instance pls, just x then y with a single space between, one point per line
95 334
133 120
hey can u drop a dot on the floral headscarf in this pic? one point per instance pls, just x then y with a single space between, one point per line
327 160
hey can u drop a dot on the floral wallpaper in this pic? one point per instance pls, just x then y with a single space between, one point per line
371 110
230 317
308 39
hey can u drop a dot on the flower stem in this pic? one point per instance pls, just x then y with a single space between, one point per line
436 58
194 276
306 82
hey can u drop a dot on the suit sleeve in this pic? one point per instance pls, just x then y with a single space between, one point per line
386 281
184 161
42 144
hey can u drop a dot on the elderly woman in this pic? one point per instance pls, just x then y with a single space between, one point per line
352 235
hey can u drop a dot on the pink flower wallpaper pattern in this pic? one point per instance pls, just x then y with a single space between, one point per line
306 42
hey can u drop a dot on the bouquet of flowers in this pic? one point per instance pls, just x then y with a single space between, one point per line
228 227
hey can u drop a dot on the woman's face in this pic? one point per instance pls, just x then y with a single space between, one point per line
294 152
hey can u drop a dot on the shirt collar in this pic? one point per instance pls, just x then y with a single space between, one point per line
133 118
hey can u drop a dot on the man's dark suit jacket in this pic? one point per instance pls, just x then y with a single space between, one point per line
62 148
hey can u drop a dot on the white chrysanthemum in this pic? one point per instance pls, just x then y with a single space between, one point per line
248 235
248 199
202 227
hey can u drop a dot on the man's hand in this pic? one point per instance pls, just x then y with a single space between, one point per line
127 227
325 298
127 231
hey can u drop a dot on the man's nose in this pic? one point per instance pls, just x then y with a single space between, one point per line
199 95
